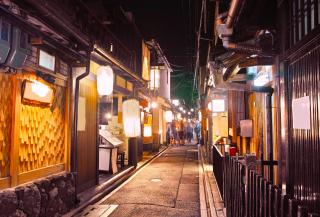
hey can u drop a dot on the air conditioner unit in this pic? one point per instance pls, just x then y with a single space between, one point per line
20 48
5 38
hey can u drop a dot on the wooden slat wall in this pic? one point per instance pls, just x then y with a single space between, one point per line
42 137
6 102
304 168
86 150
257 114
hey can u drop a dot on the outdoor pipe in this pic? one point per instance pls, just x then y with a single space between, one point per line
74 140
232 13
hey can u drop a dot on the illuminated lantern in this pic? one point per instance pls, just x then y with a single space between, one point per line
131 117
175 102
210 106
169 116
154 105
147 131
105 80
154 78
39 89
218 105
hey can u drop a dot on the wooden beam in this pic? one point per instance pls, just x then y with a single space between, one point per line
5 183
39 173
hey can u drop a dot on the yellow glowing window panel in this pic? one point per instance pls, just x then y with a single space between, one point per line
145 62
121 82
129 86
37 93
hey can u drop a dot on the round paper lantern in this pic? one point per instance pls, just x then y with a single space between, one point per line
105 80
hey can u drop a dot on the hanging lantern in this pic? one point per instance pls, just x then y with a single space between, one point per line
105 80
131 118
147 130
218 105
169 116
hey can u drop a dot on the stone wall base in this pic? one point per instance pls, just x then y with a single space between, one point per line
50 196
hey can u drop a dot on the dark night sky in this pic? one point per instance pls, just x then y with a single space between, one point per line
172 24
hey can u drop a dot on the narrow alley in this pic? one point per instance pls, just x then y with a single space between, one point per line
168 186
160 108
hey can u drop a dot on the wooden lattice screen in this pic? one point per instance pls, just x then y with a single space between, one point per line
6 103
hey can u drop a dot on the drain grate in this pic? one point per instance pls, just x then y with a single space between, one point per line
97 211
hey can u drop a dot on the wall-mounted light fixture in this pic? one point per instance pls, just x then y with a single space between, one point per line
105 80
37 93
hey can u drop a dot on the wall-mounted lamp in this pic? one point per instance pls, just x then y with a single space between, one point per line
37 93
105 80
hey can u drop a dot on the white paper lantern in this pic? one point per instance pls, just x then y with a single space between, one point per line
147 130
105 80
218 105
169 116
131 118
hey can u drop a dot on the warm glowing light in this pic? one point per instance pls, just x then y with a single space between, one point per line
180 108
131 118
179 116
210 106
39 88
154 78
184 111
189 113
218 105
175 102
108 115
160 131
184 119
147 131
199 115
154 105
192 110
169 116
105 80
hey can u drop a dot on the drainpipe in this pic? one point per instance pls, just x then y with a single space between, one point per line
225 29
269 91
74 146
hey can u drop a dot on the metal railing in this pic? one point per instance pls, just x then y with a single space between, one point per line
218 159
248 194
